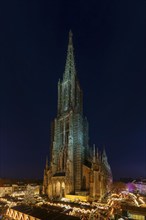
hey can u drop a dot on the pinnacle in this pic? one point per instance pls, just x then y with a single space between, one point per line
70 33
70 37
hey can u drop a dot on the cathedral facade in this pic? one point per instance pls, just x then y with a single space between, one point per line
74 168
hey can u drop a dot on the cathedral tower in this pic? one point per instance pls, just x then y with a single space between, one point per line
70 167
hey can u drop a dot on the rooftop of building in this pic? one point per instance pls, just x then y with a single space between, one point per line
20 182
43 214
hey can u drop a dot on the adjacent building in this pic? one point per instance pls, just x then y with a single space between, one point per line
75 168
18 189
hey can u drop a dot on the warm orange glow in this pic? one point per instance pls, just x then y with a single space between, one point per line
75 198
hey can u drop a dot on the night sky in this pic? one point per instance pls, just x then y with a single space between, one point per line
108 38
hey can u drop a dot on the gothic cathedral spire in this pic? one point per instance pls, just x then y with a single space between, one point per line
70 63
69 91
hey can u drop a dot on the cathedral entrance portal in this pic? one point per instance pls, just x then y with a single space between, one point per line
57 188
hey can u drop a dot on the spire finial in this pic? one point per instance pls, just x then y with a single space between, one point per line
97 154
47 162
104 156
70 37
104 152
70 33
94 153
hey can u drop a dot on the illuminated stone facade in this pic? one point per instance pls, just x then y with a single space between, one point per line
75 168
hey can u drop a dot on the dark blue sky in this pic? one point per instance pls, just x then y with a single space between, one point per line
109 47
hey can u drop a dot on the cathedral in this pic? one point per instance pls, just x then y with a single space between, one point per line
74 168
